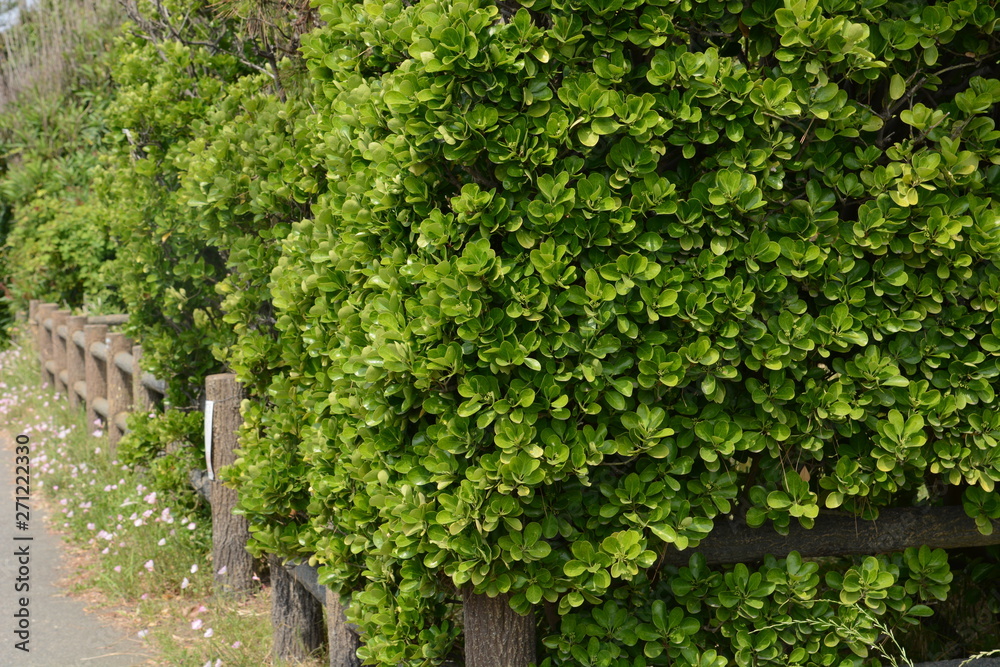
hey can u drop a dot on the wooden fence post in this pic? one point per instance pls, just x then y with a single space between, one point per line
230 532
495 634
119 389
45 341
296 616
59 350
39 336
341 637
75 368
94 370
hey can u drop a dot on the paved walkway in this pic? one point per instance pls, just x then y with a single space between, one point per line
61 631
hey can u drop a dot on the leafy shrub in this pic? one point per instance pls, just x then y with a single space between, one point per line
199 194
591 276
525 296
247 177
54 237
166 272
57 251
182 72
167 446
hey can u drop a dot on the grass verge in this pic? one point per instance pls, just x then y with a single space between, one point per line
137 559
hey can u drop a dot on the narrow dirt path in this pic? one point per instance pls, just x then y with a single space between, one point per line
60 630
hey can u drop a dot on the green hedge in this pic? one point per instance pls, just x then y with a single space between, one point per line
167 272
247 177
525 295
591 277
196 192
55 242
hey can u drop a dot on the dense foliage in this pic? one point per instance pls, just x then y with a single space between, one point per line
525 296
248 178
55 239
590 278
168 272
197 195
167 446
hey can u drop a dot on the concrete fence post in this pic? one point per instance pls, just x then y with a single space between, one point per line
143 398
296 616
94 370
230 532
119 387
495 634
59 350
45 312
33 319
342 637
75 367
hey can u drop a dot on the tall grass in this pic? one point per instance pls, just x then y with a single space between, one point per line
38 54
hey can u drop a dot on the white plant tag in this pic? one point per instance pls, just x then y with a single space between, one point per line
209 413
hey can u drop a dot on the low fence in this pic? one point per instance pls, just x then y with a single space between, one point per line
89 364
98 370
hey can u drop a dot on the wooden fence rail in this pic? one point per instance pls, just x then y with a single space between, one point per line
85 362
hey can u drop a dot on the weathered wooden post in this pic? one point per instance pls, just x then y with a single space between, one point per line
59 350
296 616
119 385
230 533
75 367
94 370
495 634
342 639
45 341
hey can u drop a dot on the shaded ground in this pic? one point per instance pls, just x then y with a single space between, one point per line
62 632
